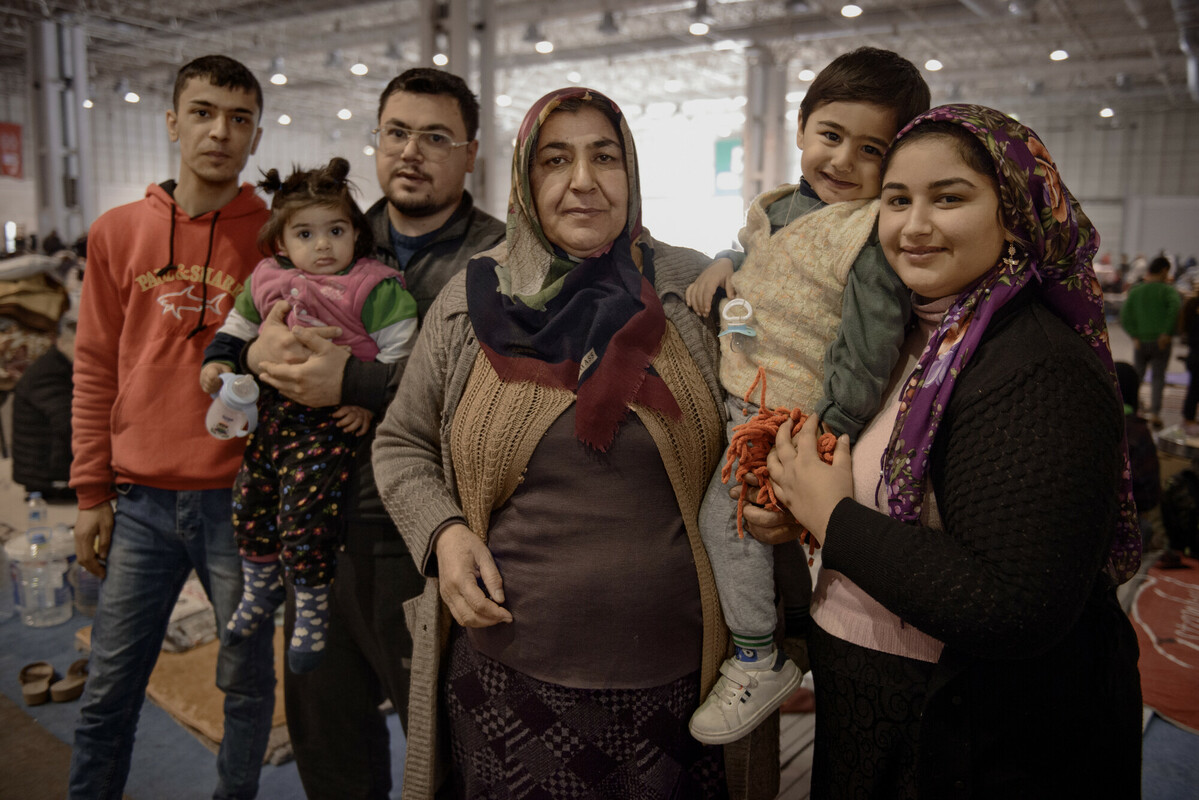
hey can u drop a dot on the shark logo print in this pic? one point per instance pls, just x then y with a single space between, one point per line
188 300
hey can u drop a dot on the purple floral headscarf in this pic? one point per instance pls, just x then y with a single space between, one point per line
1055 245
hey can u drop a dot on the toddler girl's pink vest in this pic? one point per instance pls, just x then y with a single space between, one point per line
318 300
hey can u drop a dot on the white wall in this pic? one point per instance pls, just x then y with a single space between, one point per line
1150 159
1119 174
130 151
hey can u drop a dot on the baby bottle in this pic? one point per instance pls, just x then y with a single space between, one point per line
234 409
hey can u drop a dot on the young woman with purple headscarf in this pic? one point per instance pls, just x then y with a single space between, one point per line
968 639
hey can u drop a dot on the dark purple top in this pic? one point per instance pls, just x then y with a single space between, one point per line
597 568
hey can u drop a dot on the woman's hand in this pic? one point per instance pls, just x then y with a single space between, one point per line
803 483
768 527
462 558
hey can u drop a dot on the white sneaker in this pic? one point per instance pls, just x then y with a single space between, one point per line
742 698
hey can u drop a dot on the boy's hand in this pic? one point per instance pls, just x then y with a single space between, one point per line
699 294
210 376
353 419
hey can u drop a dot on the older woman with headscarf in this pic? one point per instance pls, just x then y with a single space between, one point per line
544 460
968 640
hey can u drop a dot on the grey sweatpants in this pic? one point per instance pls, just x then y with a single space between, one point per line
744 569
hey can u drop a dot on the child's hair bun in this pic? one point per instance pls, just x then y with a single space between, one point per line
270 182
339 169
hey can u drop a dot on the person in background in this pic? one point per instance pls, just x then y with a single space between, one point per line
1150 316
968 639
426 227
161 274
1142 452
41 417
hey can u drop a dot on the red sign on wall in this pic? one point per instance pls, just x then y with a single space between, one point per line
10 150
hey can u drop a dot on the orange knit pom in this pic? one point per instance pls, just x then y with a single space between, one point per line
751 444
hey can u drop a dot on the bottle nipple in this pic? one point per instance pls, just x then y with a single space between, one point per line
244 389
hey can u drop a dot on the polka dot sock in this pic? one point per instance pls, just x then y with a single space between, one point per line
312 623
262 593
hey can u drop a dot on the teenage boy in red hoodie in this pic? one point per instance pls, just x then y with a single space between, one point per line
161 275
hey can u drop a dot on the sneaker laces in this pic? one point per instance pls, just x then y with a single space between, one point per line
733 682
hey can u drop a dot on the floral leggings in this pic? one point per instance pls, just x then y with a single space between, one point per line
290 491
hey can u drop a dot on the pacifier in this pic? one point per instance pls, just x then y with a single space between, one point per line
737 314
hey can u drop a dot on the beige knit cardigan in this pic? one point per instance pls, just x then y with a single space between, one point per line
415 473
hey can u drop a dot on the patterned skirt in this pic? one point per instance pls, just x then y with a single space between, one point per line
513 736
868 707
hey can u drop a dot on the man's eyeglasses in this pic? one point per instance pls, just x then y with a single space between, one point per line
433 145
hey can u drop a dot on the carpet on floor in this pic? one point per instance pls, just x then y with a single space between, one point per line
184 685
36 761
1165 614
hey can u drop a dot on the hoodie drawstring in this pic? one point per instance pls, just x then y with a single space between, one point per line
204 278
207 259
170 245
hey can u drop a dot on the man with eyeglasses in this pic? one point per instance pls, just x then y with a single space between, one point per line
426 226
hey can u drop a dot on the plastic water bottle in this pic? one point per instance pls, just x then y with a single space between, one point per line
234 409
6 589
40 565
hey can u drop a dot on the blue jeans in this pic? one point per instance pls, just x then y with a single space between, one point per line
159 536
1148 354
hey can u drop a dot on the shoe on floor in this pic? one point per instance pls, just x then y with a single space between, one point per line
70 687
35 682
742 698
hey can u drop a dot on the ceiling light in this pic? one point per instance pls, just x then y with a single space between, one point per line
441 59
932 65
345 113
851 11
503 100
284 119
368 151
545 46
132 97
795 97
726 44
608 24
806 75
279 79
699 28
574 76
359 68
1107 112
1059 55
88 103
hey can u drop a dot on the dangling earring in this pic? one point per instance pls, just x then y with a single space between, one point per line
1011 259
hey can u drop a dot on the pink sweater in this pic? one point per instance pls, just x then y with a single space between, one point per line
839 606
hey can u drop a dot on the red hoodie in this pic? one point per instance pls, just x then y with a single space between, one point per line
138 410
